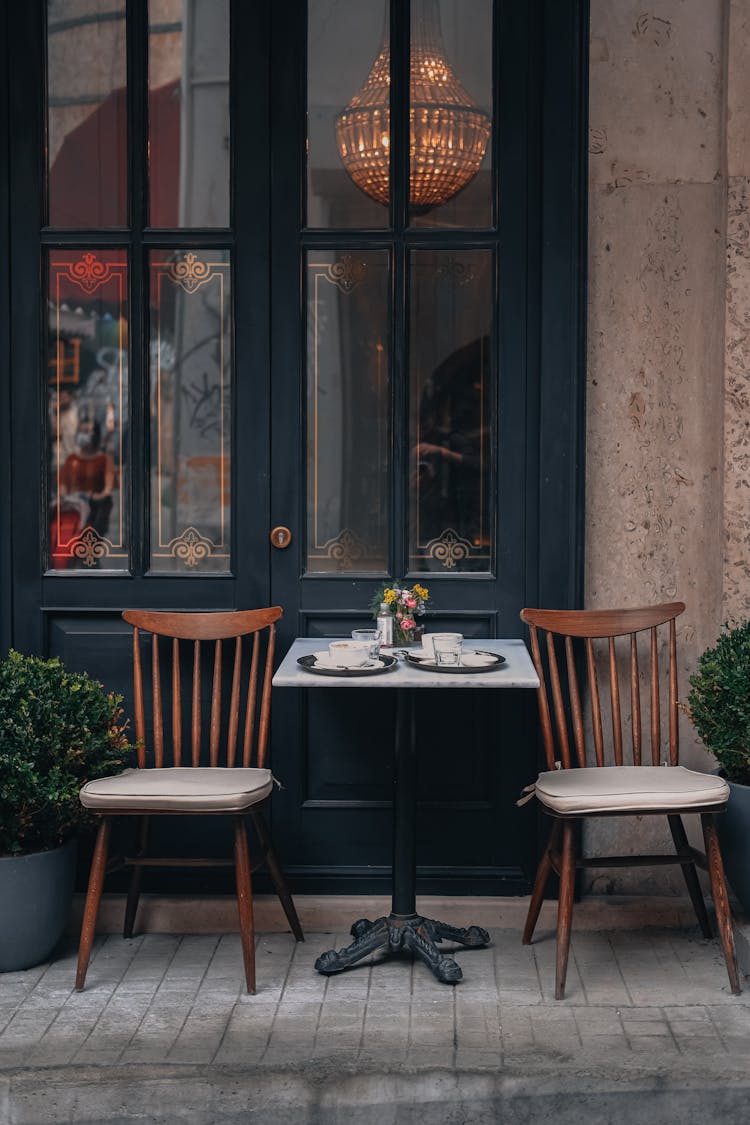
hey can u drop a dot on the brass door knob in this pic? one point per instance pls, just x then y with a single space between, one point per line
281 537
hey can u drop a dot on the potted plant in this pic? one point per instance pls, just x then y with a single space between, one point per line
58 729
719 708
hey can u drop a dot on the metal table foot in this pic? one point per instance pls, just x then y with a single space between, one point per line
411 934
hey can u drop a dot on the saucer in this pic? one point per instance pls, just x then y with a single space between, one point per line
324 660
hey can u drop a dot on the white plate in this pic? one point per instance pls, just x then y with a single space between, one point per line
469 659
325 661
477 659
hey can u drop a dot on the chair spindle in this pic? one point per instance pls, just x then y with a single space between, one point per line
596 708
156 709
655 715
247 746
674 730
614 691
543 705
635 700
176 704
265 705
196 711
557 701
234 704
140 718
575 703
215 708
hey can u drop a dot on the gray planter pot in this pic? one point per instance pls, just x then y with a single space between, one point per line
733 828
36 892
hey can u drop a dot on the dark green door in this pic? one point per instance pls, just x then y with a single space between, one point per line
319 267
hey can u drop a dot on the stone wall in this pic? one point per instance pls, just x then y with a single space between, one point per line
668 441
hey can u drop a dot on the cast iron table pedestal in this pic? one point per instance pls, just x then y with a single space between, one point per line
403 930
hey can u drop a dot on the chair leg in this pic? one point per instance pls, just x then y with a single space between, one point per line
721 899
93 898
565 906
245 900
682 847
134 887
277 874
543 873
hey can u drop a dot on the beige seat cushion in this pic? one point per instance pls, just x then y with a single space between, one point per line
629 789
175 789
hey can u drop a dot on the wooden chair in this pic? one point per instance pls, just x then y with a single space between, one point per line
187 787
571 790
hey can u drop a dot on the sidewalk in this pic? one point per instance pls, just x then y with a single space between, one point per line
648 1032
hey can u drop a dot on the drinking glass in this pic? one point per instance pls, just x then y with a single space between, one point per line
370 637
447 650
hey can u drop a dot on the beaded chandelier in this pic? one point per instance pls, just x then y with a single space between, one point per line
448 131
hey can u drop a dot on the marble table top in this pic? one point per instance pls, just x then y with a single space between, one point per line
517 672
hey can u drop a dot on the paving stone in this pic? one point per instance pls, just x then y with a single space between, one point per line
649 1001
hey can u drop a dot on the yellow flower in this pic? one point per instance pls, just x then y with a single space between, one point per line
389 596
421 592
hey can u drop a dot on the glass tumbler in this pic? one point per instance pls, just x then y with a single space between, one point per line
370 637
447 650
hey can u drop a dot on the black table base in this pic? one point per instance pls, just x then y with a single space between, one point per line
404 934
403 930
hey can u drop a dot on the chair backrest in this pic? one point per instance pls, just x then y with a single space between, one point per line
201 628
578 630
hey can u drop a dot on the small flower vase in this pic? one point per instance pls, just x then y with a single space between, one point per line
402 637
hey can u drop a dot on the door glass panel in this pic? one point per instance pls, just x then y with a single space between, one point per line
348 112
190 359
87 394
188 101
450 112
348 428
452 387
86 113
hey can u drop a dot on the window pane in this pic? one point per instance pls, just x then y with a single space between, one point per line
190 364
450 113
348 430
86 113
348 111
188 101
87 381
452 385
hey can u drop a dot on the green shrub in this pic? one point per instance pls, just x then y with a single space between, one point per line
719 701
58 729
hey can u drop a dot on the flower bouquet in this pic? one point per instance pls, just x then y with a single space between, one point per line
406 604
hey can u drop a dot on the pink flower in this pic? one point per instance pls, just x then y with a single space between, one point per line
407 623
410 602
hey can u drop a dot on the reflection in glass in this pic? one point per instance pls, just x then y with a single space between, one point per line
452 381
188 100
343 40
348 429
86 113
450 150
190 334
87 366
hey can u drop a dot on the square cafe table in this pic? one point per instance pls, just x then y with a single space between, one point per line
403 929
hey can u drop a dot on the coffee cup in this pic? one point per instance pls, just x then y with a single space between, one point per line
349 654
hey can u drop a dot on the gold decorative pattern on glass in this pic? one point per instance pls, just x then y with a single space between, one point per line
86 113
345 128
87 382
190 364
348 421
452 388
188 107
